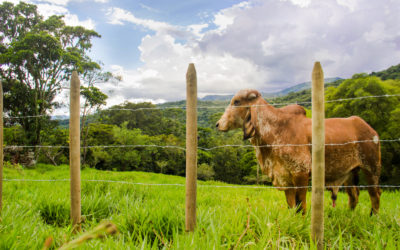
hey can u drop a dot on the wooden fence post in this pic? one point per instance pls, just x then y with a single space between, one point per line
1 147
318 156
75 151
191 148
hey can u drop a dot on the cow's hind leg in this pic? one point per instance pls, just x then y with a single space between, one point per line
351 188
334 192
374 191
353 196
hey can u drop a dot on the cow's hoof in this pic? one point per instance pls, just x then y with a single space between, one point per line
373 212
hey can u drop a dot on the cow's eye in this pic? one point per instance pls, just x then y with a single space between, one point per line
236 103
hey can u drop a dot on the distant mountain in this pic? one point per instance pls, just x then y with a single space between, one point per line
216 97
301 86
295 88
59 117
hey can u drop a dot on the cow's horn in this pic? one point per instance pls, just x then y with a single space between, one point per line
251 96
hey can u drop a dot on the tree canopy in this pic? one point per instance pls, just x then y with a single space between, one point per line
37 57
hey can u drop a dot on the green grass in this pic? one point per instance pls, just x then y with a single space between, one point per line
34 211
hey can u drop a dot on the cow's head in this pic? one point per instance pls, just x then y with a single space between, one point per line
238 115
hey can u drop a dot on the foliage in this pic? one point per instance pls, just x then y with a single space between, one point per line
391 73
58 137
93 98
133 157
205 172
38 55
145 117
14 135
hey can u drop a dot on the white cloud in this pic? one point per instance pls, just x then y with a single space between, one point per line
351 4
48 8
146 7
65 2
197 29
284 39
302 3
267 45
163 75
56 2
226 17
73 20
119 16
11 1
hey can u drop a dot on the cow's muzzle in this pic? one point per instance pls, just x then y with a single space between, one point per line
221 127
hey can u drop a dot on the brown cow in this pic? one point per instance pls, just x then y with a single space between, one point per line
271 129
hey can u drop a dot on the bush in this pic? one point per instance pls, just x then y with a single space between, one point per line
205 172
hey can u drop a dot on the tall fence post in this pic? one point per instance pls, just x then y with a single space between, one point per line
1 147
75 151
191 148
318 156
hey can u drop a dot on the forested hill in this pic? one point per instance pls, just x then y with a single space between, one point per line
390 73
164 125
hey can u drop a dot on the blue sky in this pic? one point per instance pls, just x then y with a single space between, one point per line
115 37
263 44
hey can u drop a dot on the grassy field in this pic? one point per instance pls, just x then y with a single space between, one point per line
153 216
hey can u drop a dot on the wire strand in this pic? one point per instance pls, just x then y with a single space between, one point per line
202 186
203 148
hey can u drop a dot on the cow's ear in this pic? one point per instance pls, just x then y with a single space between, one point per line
248 128
251 96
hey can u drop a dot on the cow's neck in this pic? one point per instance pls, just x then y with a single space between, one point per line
268 122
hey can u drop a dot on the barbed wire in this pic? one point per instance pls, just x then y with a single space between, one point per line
95 146
201 148
216 107
299 145
149 108
24 117
135 146
202 186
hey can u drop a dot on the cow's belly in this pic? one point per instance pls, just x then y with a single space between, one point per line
339 161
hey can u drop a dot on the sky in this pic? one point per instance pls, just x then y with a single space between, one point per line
267 45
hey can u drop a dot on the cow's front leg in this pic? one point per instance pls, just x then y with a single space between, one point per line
291 197
301 192
301 200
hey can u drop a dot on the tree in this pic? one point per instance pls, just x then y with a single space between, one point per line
391 73
93 97
146 117
39 55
